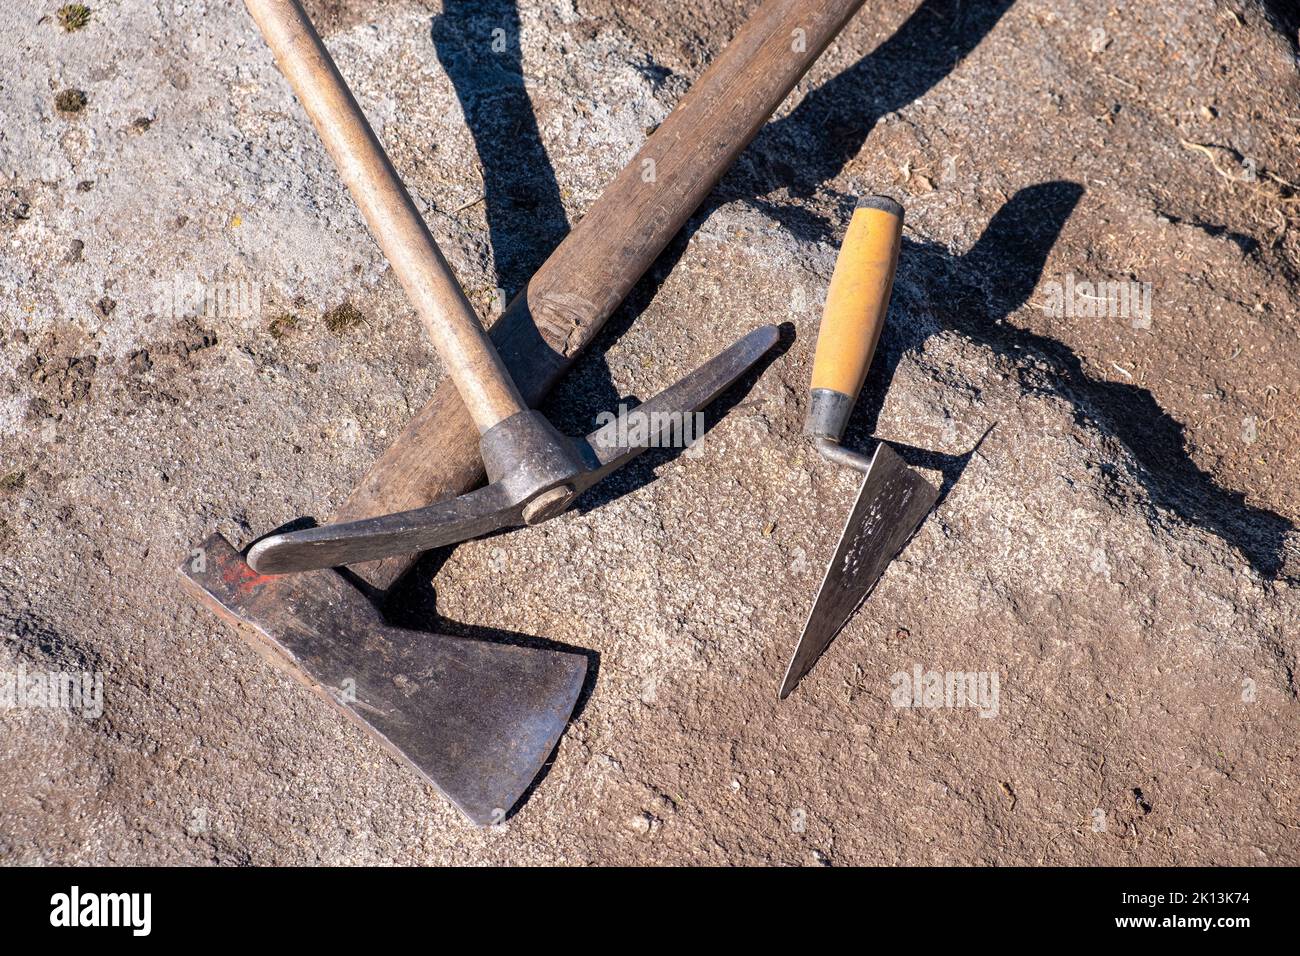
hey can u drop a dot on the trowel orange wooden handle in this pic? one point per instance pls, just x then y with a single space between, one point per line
856 305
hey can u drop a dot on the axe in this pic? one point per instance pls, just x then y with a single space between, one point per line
478 720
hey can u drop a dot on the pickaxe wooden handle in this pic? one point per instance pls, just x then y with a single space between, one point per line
590 273
473 364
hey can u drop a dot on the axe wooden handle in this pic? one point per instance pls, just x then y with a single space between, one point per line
593 269
454 329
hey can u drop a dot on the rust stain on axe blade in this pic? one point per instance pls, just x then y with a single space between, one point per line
476 720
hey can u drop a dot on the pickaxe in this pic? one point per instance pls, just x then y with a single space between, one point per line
478 720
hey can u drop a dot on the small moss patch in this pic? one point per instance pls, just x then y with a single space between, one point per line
282 325
73 16
14 481
343 317
70 101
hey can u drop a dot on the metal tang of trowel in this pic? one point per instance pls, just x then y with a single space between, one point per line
893 499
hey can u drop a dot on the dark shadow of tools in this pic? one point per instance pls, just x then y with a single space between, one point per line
948 465
478 45
971 294
974 293
1284 15
477 42
830 125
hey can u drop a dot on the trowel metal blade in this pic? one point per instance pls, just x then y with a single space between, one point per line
892 503
477 720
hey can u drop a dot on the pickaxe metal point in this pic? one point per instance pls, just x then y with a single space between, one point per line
528 462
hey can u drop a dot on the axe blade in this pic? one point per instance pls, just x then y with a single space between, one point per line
892 502
477 720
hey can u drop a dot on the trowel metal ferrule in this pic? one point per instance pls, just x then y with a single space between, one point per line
534 474
892 499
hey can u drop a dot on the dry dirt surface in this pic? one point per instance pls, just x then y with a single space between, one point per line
1120 551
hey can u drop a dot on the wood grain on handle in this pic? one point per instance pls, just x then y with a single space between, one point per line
430 285
858 298
856 305
593 269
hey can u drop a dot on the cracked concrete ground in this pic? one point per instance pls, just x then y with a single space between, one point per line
1121 550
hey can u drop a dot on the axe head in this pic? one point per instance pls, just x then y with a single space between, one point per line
476 720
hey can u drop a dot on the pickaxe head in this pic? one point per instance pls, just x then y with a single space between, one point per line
534 473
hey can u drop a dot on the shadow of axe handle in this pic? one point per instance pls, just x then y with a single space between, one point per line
589 274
